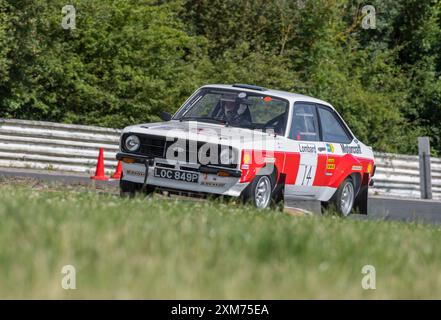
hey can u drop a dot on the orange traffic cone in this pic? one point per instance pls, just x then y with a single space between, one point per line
118 172
99 173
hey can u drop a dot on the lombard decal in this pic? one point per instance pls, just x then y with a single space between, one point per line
330 165
308 148
330 147
350 149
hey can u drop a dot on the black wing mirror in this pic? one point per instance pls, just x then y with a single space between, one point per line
165 116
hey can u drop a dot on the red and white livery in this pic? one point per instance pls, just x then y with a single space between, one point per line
250 142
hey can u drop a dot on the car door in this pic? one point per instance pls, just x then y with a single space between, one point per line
334 135
305 138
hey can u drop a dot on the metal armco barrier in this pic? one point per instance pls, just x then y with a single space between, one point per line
74 148
55 146
399 175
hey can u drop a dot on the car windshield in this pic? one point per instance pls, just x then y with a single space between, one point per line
236 108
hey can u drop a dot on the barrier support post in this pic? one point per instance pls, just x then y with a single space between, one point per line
425 171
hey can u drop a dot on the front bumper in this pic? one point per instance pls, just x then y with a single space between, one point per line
216 180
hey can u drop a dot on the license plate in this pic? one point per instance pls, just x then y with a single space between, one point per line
176 175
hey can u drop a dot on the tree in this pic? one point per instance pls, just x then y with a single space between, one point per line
125 61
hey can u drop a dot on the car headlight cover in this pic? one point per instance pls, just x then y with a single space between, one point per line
132 143
227 156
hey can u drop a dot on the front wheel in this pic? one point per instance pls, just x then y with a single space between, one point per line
344 198
130 189
259 192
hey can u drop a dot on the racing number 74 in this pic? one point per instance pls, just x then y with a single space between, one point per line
307 175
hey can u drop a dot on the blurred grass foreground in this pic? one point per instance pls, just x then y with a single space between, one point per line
176 249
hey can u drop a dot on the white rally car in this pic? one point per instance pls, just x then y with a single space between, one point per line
250 142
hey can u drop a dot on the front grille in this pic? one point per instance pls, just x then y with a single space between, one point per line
157 147
151 146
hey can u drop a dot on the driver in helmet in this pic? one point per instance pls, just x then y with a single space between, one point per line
235 112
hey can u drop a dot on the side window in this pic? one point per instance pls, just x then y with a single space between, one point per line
304 125
332 129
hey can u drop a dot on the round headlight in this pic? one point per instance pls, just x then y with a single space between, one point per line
132 143
227 156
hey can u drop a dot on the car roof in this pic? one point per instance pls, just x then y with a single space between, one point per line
293 97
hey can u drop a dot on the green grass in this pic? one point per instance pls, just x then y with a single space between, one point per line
162 248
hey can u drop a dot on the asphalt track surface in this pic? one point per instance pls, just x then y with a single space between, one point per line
382 208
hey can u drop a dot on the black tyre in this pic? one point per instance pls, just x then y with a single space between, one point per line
361 202
344 198
130 189
260 192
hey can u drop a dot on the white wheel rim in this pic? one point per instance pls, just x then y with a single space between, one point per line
262 194
347 199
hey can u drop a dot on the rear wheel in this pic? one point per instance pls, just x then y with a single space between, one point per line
361 201
344 197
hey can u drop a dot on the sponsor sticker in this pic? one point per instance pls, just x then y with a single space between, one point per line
211 181
308 148
330 147
213 184
357 168
350 149
135 173
330 165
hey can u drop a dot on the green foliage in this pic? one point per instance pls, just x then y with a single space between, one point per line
127 60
